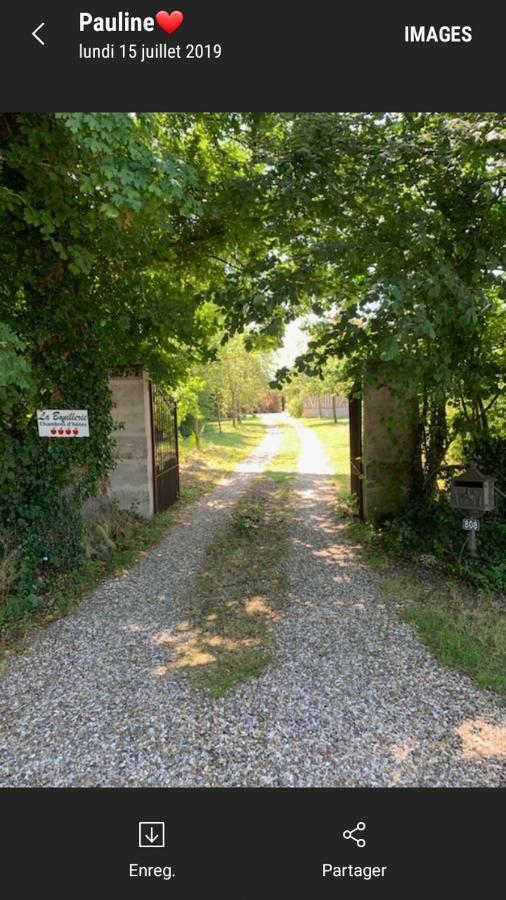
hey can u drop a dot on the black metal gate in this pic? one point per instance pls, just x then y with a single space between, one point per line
356 480
165 448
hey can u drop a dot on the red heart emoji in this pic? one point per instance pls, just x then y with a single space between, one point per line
169 22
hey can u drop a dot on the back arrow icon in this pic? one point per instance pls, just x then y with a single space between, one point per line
36 36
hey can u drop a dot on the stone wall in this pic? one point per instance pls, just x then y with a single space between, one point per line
131 482
388 451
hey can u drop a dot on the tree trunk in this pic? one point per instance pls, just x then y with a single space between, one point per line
436 447
482 415
196 428
218 414
234 409
334 409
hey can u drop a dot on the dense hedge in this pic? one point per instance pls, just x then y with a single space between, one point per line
87 206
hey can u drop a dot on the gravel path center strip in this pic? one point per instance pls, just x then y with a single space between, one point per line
353 699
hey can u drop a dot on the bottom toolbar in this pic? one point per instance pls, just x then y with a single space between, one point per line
249 842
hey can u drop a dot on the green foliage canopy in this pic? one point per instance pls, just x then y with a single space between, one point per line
391 229
94 215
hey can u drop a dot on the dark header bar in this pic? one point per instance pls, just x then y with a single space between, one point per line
196 55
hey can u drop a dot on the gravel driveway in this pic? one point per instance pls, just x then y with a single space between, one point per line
354 698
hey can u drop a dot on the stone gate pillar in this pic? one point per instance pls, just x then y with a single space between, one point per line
388 451
131 482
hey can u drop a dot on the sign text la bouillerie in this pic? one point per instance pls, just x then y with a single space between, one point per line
63 423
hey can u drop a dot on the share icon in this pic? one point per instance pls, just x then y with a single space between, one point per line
349 834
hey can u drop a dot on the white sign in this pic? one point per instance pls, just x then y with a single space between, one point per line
63 423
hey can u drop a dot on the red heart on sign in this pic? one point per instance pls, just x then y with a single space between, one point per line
169 22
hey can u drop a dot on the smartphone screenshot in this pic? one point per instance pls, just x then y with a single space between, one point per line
252 449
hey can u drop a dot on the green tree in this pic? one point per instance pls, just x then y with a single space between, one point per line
391 229
231 385
93 215
242 377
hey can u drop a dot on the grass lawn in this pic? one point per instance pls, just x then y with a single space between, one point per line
336 443
471 638
462 627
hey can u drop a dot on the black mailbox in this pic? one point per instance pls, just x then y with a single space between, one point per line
473 492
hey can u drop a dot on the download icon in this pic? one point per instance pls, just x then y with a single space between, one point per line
151 834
